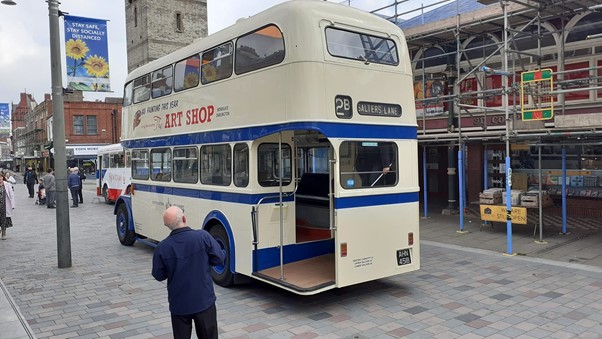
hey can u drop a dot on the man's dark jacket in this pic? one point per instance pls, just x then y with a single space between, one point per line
185 258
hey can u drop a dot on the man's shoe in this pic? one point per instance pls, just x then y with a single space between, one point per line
51 206
3 237
72 206
81 202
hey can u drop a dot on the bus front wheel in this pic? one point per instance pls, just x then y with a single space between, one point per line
126 236
221 274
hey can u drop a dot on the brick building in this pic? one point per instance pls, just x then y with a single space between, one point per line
88 125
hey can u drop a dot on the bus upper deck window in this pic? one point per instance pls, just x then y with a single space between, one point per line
261 48
217 64
127 94
162 81
142 89
186 73
360 46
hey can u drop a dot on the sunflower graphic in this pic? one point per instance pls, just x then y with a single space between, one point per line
191 80
76 49
209 73
97 66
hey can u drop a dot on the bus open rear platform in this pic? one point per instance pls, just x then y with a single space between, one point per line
304 275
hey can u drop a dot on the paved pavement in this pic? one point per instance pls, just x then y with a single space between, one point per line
460 291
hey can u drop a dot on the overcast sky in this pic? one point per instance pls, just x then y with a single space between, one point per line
24 38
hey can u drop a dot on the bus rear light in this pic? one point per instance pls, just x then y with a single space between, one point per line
132 189
343 250
411 238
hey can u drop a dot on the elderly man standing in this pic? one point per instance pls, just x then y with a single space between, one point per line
185 258
50 186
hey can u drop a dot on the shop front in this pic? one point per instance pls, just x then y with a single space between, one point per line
83 157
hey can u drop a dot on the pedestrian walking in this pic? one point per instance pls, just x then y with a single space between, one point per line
11 179
73 183
30 179
7 205
50 185
185 258
82 177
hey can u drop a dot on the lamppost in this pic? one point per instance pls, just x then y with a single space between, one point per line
58 131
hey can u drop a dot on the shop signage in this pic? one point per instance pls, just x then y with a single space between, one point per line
84 150
498 214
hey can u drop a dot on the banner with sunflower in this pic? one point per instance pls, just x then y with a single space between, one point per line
4 120
87 54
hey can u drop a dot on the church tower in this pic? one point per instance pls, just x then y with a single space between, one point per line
155 28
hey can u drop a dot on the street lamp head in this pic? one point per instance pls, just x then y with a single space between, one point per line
8 2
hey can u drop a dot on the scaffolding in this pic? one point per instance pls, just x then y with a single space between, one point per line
501 26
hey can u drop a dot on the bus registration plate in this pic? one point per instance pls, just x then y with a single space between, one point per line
403 257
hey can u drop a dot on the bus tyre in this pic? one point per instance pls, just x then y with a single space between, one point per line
126 236
222 274
105 194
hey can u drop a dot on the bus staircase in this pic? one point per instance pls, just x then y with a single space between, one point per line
309 263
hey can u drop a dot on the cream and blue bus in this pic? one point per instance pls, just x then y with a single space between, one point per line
291 138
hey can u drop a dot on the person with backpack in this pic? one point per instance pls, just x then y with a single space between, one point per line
30 179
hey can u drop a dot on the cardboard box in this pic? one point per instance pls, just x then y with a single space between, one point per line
531 199
515 196
520 181
491 196
490 201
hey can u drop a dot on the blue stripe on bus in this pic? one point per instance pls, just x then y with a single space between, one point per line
375 200
270 257
252 199
329 129
241 198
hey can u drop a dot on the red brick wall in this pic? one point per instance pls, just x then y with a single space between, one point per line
103 112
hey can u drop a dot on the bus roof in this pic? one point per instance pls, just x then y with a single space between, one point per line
114 148
278 14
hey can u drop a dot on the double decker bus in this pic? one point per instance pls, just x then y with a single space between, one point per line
113 172
291 138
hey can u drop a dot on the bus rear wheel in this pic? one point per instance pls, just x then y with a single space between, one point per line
126 236
105 194
221 274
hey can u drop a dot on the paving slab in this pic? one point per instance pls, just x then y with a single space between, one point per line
466 287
